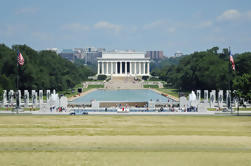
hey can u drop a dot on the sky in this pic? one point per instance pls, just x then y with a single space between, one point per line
141 25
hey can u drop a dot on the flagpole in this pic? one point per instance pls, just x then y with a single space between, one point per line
230 82
17 86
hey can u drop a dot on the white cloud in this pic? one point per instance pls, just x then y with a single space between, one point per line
28 10
75 27
230 14
205 24
108 26
155 24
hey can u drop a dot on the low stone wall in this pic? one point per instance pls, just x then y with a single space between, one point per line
114 104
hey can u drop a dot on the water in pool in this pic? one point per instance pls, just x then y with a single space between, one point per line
130 95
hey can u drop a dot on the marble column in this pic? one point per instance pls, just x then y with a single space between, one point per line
106 67
130 68
116 68
148 68
111 67
98 68
120 68
140 68
135 68
144 68
103 72
126 68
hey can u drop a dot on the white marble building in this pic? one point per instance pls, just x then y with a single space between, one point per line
124 64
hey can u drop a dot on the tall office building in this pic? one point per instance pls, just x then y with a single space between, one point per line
155 55
68 54
91 54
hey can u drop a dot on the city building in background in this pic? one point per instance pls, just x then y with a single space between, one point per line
68 54
155 55
53 49
178 54
91 54
79 53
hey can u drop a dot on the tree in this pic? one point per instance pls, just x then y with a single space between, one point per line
242 86
42 70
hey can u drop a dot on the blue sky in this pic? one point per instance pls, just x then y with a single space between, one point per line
180 25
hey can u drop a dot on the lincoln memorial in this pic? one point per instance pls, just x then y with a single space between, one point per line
124 64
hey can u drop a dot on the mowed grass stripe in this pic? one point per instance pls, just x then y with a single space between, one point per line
125 140
127 143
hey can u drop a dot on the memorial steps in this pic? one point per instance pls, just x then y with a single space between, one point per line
119 82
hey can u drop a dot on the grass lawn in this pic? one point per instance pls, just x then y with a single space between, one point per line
151 86
125 140
95 86
173 92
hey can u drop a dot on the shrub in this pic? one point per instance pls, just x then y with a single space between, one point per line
102 77
145 77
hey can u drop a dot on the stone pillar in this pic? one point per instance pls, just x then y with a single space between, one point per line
220 98
111 67
126 68
120 68
40 93
48 95
130 68
140 68
26 98
198 95
135 71
19 97
11 96
103 71
116 68
4 98
148 68
34 98
228 98
106 68
205 96
144 68
98 68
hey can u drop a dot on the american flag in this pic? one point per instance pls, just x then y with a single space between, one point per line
20 59
232 61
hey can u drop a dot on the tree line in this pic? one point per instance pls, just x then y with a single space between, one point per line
41 70
208 70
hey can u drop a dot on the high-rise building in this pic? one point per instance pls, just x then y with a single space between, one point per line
91 54
178 54
79 53
68 54
155 55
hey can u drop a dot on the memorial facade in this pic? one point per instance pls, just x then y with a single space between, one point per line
123 64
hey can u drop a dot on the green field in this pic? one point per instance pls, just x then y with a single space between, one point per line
173 92
151 86
125 140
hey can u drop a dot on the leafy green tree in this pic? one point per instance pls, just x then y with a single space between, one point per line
242 86
42 70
